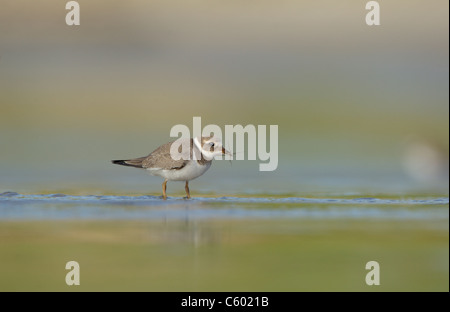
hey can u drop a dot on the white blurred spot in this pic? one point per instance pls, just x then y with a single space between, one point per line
426 163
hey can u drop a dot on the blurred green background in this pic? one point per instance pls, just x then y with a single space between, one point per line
224 255
350 100
362 111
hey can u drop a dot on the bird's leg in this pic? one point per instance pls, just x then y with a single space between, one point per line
187 190
164 186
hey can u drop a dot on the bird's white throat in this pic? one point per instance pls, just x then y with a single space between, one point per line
207 154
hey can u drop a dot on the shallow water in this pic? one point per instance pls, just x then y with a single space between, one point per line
61 206
223 243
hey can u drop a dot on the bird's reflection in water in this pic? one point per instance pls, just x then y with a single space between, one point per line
187 229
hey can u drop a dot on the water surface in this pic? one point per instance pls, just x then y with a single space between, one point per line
61 206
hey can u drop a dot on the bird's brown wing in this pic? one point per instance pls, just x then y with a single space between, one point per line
161 158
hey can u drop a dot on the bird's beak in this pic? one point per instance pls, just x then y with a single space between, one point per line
225 152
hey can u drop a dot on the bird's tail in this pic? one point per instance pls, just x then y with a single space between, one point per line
136 162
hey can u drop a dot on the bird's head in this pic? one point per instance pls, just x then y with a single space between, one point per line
210 147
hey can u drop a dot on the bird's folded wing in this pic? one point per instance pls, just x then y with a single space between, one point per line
162 159
163 162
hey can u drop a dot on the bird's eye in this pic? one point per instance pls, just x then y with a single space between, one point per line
212 144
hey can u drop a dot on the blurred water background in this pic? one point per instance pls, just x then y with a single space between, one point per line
363 112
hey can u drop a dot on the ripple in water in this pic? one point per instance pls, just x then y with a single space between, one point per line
61 206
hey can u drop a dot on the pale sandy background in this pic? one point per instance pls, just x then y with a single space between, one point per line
350 100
